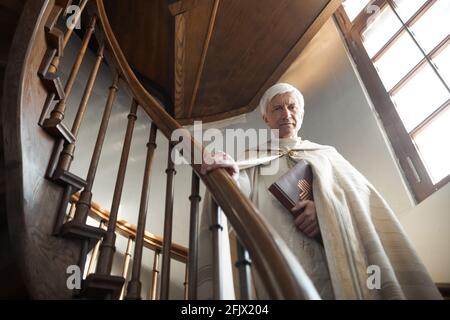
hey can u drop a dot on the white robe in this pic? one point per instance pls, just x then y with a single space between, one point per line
358 229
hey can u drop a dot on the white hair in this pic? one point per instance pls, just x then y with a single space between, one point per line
280 88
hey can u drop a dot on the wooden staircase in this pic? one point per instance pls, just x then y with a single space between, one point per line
41 233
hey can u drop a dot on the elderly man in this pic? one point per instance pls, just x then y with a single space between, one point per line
361 236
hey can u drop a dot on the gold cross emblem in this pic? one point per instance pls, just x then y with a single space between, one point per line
305 189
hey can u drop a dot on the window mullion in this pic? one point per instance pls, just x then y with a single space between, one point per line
408 23
408 76
427 5
388 44
419 65
407 28
430 118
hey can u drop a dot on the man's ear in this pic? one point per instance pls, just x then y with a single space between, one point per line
265 118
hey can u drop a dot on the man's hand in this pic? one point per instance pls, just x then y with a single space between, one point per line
220 160
306 222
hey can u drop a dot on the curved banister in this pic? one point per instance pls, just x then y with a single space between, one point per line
269 253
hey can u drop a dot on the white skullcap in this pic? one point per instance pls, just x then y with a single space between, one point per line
280 88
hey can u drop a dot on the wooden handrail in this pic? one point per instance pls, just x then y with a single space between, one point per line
269 253
126 229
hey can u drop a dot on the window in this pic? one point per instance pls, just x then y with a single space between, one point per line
402 51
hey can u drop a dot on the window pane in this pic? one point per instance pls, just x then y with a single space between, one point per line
433 26
398 60
432 143
354 7
406 8
380 30
442 62
419 97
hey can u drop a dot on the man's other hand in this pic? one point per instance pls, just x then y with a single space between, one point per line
220 160
306 222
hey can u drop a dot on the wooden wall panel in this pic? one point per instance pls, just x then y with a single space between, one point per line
250 40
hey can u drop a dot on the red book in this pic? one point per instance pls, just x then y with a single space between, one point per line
294 185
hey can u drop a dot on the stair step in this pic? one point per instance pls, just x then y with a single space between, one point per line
101 287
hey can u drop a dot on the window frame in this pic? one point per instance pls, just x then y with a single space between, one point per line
408 156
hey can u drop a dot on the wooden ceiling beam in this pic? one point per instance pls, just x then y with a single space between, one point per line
179 65
212 20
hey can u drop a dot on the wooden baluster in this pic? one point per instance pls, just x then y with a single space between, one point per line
57 114
126 265
167 237
216 227
94 255
72 210
54 65
57 41
84 202
155 272
107 247
134 286
244 266
62 211
193 236
186 281
66 156
83 257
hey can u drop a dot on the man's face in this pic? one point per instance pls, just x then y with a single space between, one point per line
283 113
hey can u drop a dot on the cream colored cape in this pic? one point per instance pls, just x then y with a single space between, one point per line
360 232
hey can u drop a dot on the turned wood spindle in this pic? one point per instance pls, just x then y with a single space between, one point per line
186 281
84 202
107 247
94 255
126 266
57 114
245 273
155 273
216 228
134 286
193 237
168 221
67 153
